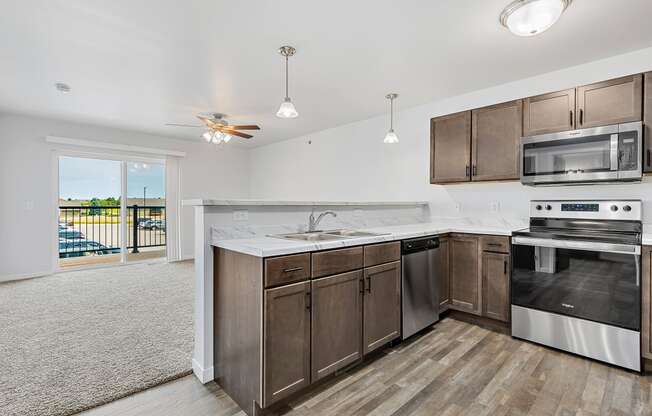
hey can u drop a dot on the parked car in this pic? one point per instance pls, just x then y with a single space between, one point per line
152 224
82 247
70 234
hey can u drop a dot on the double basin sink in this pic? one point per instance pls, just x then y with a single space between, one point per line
326 235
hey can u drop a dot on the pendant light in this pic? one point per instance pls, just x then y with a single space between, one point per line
390 137
531 17
286 109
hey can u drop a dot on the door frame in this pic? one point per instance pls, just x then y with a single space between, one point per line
119 157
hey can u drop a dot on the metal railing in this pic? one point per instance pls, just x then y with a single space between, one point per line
95 230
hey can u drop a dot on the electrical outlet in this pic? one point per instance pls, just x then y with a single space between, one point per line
241 215
494 206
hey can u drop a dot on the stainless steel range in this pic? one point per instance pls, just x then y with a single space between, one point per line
576 279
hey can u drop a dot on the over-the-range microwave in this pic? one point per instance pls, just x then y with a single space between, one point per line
601 154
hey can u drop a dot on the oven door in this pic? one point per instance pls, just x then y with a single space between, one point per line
599 282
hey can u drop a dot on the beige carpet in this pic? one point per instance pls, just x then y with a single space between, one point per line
80 339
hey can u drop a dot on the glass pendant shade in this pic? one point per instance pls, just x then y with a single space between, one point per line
531 17
286 109
391 137
208 136
227 138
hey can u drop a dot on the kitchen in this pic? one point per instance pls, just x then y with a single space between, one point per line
570 163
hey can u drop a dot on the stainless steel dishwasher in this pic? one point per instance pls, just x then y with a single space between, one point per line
419 284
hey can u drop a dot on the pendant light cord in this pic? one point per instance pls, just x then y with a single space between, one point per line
286 76
391 114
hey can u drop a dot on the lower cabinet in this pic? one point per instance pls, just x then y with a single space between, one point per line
495 285
286 335
465 273
646 299
382 305
336 323
443 275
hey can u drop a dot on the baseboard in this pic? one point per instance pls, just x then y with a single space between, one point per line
13 277
203 374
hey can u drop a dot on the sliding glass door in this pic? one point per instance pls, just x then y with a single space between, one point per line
110 211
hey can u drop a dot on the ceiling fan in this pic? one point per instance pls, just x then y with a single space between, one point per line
218 129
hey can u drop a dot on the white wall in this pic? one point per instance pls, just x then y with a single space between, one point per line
26 176
351 161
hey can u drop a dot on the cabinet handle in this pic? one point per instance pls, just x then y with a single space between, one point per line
571 118
648 157
361 286
292 269
475 170
369 283
504 266
581 116
308 301
468 173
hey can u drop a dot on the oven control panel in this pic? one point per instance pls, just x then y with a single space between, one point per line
599 209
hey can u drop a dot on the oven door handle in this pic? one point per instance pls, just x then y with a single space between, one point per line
577 245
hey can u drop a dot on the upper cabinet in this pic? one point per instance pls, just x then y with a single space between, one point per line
610 102
495 134
549 113
647 123
450 148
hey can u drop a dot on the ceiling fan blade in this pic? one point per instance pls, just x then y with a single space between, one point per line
243 127
181 125
234 133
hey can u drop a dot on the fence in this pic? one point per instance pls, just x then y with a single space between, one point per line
88 230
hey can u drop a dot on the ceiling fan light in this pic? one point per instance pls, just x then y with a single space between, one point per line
227 138
531 17
208 136
286 109
391 137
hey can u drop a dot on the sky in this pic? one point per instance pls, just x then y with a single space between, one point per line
84 178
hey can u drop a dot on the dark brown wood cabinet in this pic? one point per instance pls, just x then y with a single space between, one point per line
286 337
495 285
450 148
382 305
549 113
610 102
465 289
329 262
443 274
495 135
284 270
646 299
336 323
647 123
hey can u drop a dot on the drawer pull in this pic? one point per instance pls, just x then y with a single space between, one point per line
292 269
494 244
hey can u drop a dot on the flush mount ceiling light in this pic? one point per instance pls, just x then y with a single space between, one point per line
286 109
531 17
391 137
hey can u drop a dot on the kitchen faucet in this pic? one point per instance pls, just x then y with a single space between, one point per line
313 223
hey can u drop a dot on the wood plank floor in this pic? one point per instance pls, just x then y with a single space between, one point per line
455 369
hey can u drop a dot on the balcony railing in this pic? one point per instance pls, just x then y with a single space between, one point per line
95 230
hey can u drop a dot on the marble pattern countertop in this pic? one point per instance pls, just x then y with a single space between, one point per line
270 246
263 202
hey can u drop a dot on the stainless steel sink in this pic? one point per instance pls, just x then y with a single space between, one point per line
325 235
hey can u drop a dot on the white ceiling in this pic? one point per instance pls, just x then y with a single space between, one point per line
140 64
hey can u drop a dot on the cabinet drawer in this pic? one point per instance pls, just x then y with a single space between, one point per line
499 244
330 262
287 269
382 253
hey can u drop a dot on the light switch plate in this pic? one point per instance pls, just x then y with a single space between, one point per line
241 215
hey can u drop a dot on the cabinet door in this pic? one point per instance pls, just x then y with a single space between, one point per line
496 135
610 102
443 276
450 148
336 323
647 123
549 113
465 276
495 286
646 288
382 305
286 337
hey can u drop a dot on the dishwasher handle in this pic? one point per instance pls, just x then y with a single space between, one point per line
416 245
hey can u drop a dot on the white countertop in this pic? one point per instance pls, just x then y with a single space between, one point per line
270 246
264 202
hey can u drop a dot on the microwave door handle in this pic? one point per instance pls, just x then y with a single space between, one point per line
614 152
577 245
